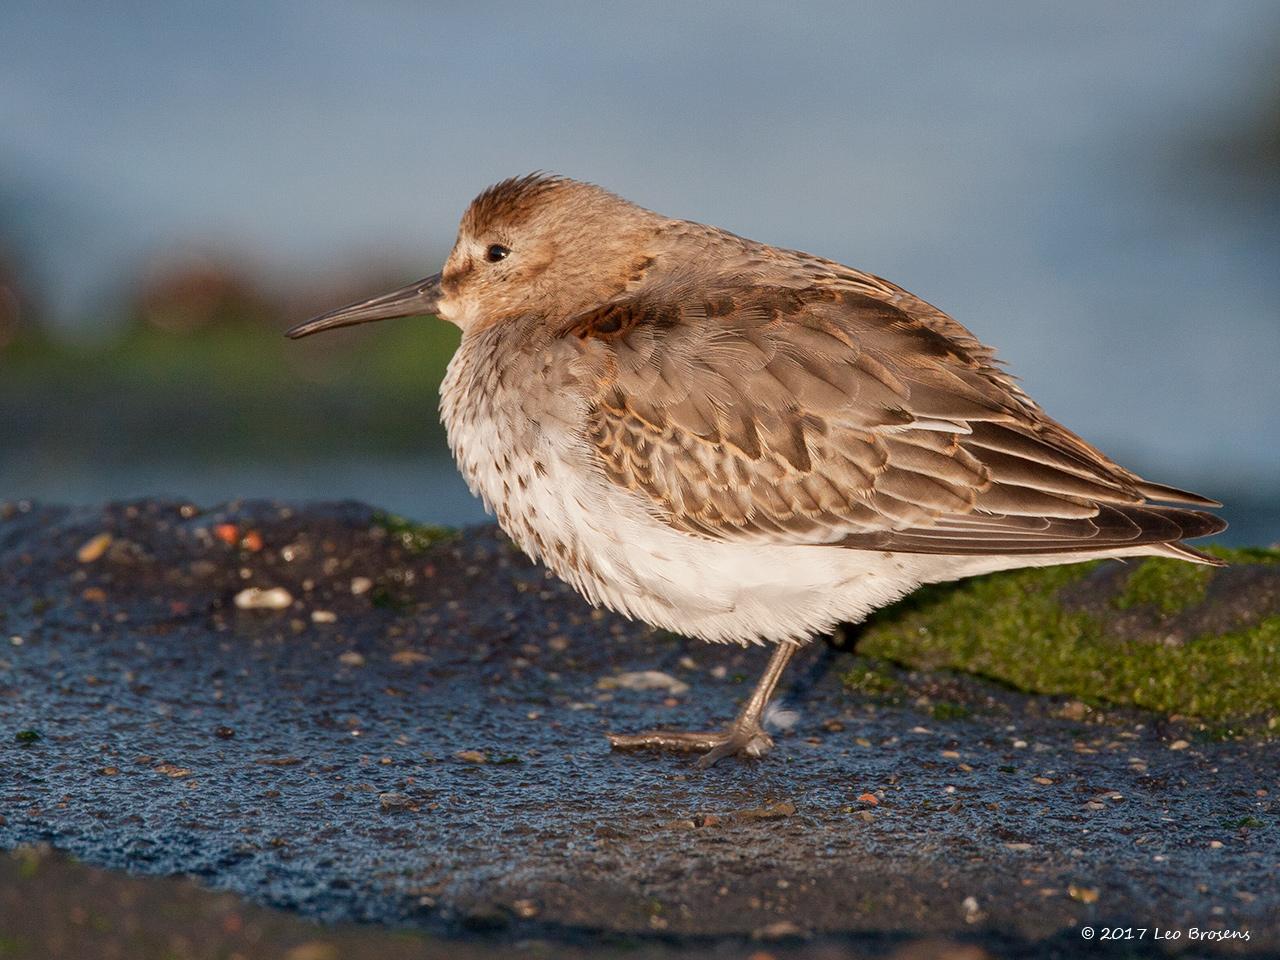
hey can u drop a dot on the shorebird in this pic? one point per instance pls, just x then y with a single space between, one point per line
744 443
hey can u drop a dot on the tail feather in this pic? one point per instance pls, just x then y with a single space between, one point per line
1114 527
1160 491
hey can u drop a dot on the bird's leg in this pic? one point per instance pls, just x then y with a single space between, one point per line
746 736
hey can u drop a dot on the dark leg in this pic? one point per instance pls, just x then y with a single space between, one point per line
745 736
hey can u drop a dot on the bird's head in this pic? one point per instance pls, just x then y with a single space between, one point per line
536 245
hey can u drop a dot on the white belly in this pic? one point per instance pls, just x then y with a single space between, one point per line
539 478
601 538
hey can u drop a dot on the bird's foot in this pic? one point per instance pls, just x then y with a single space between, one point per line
740 740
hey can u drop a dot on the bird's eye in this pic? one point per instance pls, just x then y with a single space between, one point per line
496 252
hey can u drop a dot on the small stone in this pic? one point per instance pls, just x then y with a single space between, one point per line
323 616
1179 745
1083 894
1043 781
472 756
314 950
224 733
351 658
771 811
395 803
360 585
94 548
525 909
868 798
643 680
406 657
257 598
228 533
778 930
1074 710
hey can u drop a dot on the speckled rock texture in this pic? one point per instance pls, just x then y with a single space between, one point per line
410 733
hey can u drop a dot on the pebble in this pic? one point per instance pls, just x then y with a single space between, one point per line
351 658
323 616
1179 745
1083 894
94 548
643 680
778 930
772 811
360 585
256 598
394 802
472 756
524 909
405 657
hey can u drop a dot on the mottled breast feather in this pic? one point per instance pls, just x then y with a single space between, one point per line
843 410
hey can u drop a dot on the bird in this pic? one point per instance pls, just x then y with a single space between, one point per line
743 443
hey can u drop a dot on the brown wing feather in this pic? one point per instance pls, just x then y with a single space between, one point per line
846 412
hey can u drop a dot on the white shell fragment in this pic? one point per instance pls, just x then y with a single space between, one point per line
643 680
256 598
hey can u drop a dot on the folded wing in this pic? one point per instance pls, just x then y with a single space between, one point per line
846 412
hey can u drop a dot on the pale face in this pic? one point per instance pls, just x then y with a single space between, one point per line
493 273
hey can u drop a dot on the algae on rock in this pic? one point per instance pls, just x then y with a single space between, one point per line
1157 634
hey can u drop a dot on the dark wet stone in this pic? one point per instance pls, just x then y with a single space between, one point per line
464 647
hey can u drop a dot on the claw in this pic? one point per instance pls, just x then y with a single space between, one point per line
714 746
745 737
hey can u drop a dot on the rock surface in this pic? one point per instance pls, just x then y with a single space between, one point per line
415 738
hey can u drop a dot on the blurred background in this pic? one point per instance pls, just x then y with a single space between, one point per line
1094 188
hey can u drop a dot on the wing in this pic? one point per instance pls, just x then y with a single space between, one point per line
846 412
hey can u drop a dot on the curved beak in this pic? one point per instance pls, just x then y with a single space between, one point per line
414 300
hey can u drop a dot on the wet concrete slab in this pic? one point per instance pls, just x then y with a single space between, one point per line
410 734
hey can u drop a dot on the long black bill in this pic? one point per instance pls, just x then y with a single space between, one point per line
414 300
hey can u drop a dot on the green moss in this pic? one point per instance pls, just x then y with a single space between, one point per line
1169 586
414 537
1013 627
870 676
1243 823
946 710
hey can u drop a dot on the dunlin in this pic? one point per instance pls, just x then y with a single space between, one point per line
745 443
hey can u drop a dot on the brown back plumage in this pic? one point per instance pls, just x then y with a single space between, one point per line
843 410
